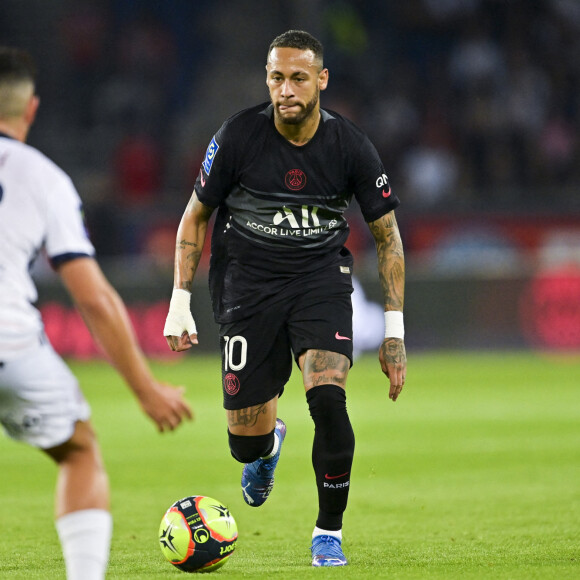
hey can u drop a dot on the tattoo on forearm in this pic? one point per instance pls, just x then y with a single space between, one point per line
190 242
247 417
191 262
182 243
391 260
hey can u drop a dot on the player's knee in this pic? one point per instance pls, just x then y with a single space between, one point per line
326 400
82 444
248 448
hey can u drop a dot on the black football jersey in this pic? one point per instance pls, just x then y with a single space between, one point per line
281 206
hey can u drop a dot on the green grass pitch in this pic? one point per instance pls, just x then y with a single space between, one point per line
473 473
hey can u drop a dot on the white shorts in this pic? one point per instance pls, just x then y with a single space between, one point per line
40 398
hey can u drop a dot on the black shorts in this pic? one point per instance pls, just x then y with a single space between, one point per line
314 312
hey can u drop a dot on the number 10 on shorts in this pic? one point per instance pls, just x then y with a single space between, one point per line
235 353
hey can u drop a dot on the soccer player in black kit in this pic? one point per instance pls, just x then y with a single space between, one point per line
281 175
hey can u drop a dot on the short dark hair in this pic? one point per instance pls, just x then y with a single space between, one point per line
301 40
16 65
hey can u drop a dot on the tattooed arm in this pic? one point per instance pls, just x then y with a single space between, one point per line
391 263
190 240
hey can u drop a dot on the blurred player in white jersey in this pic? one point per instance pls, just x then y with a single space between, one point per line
40 400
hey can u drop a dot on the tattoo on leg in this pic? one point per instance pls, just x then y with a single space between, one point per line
247 417
323 367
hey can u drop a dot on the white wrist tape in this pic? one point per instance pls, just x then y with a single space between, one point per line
179 317
394 325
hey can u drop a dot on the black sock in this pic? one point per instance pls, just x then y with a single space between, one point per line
248 448
332 452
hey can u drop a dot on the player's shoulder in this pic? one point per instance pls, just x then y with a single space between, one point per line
338 122
28 160
344 133
248 118
242 128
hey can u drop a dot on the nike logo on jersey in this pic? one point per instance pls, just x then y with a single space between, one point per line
339 337
335 476
203 180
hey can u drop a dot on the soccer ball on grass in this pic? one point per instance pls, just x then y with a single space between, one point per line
198 534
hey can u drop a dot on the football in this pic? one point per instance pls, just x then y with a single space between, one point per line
198 534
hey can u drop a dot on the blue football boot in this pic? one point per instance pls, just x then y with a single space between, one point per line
327 551
258 477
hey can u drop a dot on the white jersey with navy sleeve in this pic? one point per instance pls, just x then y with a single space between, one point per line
39 208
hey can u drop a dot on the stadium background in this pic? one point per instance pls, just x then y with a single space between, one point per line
473 105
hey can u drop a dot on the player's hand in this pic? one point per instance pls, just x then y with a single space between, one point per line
166 405
180 330
183 342
393 358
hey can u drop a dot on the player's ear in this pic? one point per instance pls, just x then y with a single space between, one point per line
31 108
323 79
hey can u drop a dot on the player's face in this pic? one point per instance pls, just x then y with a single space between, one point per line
295 80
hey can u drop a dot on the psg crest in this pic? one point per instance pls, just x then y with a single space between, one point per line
231 384
295 179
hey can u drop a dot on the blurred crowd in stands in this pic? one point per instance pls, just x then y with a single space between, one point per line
474 105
